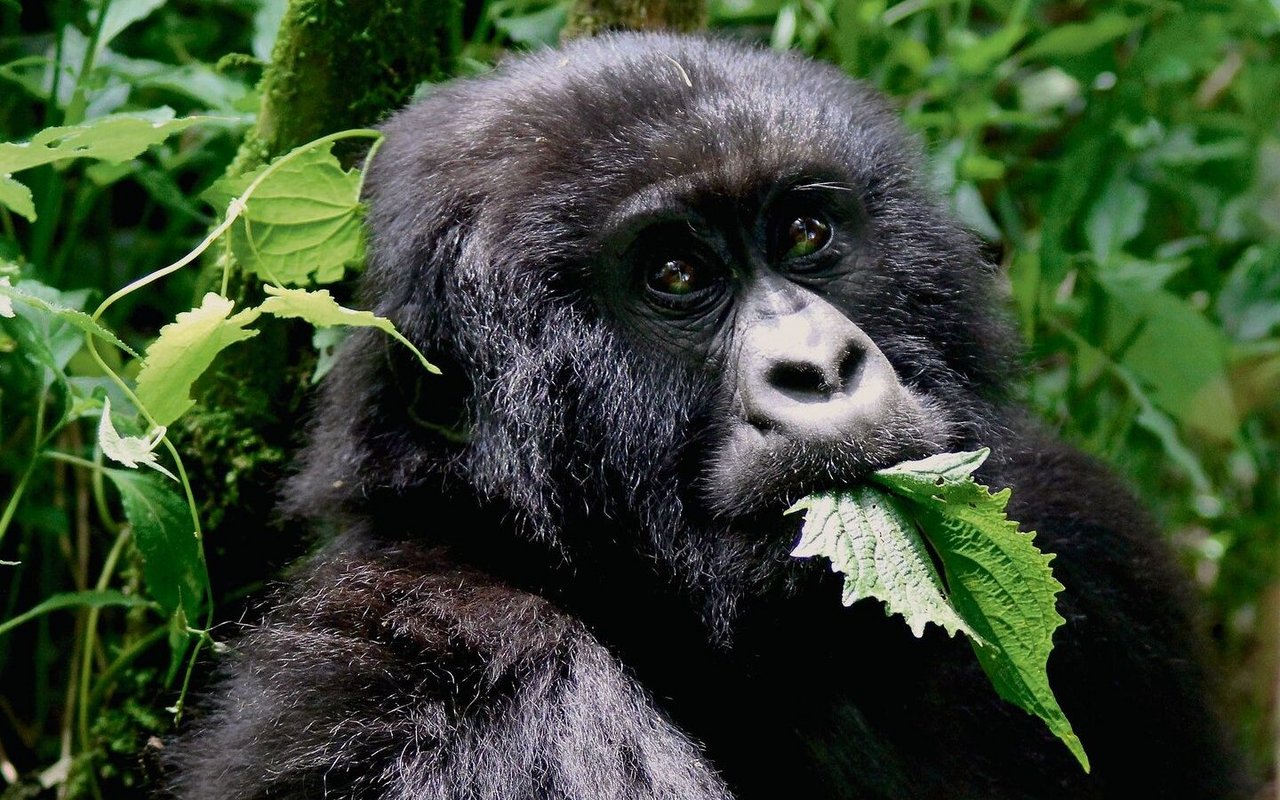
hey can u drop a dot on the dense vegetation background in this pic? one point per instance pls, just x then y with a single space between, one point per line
1122 160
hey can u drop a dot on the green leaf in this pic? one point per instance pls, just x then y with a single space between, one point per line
535 29
172 565
113 139
185 349
1249 303
16 196
302 223
62 339
980 56
1079 38
77 318
1000 582
1115 219
1000 585
120 15
1176 353
45 341
320 309
868 537
94 598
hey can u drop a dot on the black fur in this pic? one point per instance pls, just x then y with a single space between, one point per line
583 624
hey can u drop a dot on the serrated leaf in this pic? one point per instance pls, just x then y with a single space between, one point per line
172 566
320 309
131 451
1000 583
302 223
868 537
1002 592
73 316
113 139
185 349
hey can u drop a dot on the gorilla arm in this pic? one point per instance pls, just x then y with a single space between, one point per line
387 672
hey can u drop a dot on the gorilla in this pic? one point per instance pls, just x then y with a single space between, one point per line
675 284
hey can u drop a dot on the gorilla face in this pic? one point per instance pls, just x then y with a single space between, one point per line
671 296
762 294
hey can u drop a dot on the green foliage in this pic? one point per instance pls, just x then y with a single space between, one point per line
183 351
167 540
113 139
304 224
63 369
1122 159
999 588
321 310
871 538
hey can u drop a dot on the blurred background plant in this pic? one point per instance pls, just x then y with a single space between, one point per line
1120 159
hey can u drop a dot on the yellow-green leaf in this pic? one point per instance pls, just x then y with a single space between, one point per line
185 349
320 309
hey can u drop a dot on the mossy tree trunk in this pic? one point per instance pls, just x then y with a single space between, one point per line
337 64
590 17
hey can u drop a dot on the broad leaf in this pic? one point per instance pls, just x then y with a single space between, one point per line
120 15
113 139
79 319
185 349
1115 219
867 536
1178 354
17 196
165 535
999 584
1078 38
302 223
320 309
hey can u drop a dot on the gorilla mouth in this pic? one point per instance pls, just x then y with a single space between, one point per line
758 468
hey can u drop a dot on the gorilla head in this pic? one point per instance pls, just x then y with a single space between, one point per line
675 284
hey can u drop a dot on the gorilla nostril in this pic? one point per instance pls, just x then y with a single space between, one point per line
849 366
800 381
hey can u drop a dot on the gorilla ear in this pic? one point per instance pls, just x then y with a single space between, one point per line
369 433
381 422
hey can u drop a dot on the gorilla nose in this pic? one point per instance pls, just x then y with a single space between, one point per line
817 379
812 374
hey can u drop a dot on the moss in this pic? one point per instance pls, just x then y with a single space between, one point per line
345 63
337 64
589 17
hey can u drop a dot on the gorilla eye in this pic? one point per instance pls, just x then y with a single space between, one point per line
804 237
679 277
